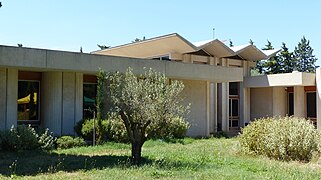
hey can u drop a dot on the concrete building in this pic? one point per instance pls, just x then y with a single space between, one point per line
55 89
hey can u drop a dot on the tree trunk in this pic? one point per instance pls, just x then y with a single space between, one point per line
136 152
137 142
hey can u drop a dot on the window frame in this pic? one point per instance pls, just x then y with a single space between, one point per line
31 121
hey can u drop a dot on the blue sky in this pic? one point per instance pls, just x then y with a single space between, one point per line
69 24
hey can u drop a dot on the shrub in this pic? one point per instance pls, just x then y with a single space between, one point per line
173 128
65 142
26 138
78 127
47 140
20 138
116 130
100 129
113 129
282 138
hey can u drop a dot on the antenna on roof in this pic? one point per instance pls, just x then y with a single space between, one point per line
213 33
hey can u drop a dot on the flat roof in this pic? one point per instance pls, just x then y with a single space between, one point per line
281 80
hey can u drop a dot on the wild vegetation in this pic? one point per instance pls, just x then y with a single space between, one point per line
179 159
282 138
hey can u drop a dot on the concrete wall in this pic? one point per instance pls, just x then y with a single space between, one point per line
51 98
269 102
8 98
195 92
48 60
261 102
62 101
280 99
3 99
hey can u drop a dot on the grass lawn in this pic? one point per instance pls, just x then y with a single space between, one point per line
187 159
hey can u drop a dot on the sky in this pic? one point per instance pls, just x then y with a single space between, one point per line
70 24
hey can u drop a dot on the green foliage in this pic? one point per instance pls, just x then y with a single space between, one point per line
143 101
47 140
185 159
65 142
281 138
173 128
302 59
138 39
303 55
20 138
100 129
116 129
102 47
25 138
78 128
287 60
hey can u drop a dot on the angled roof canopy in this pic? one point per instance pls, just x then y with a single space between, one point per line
174 43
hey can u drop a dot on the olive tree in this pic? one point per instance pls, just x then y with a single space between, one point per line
146 103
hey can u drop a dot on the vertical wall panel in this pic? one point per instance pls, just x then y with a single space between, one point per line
79 97
12 96
69 91
195 92
3 98
52 101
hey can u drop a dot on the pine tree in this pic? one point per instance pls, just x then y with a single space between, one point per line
102 47
304 57
271 65
231 43
287 60
251 42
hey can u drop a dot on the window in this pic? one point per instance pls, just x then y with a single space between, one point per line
28 101
311 105
234 88
290 104
166 58
89 100
234 105
234 112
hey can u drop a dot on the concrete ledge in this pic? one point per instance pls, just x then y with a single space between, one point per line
50 60
278 80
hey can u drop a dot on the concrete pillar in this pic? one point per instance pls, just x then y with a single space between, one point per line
12 97
245 103
223 104
279 101
51 88
213 107
318 96
72 101
299 101
79 97
3 98
245 97
68 102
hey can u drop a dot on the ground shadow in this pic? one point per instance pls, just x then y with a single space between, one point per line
35 162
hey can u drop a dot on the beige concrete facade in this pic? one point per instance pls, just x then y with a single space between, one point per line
208 70
62 82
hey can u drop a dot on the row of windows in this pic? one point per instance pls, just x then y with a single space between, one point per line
311 106
29 99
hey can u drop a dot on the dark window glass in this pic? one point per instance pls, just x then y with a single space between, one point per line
290 104
89 92
311 105
235 107
234 88
235 123
28 100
